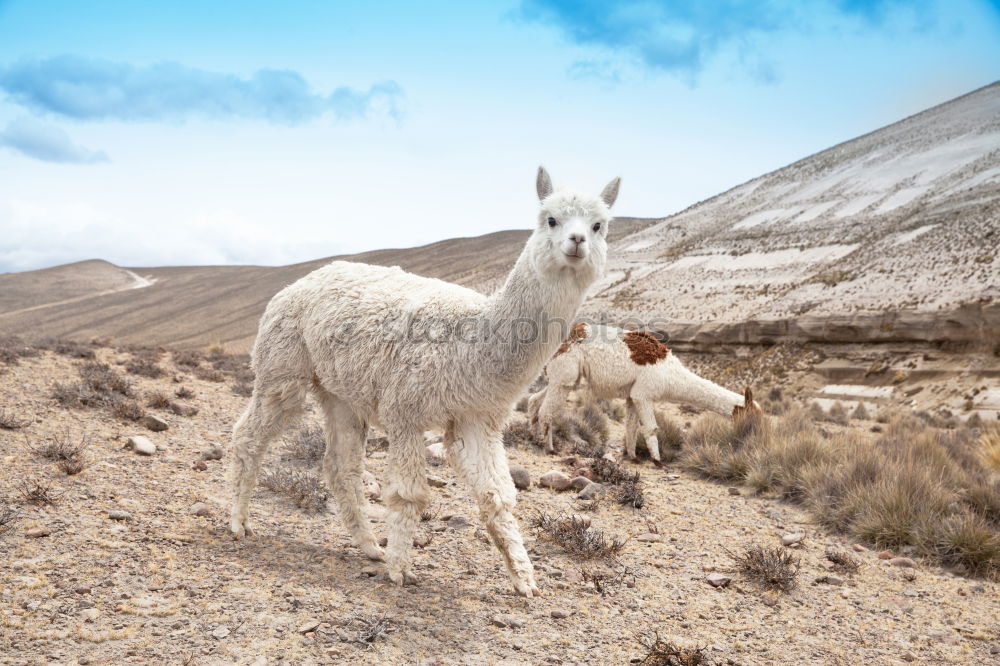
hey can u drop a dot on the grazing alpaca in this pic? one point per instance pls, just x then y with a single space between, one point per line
632 365
381 346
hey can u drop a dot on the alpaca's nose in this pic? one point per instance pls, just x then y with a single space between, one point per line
577 238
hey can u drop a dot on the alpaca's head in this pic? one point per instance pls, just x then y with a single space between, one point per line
572 228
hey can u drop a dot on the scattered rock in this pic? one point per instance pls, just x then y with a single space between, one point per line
858 548
830 579
213 452
155 423
435 454
309 625
718 580
592 491
519 474
199 466
141 445
118 514
83 589
220 632
200 509
36 532
903 562
734 491
499 621
90 614
584 471
458 522
555 480
373 490
422 540
649 538
370 571
580 482
884 555
792 539
561 613
437 482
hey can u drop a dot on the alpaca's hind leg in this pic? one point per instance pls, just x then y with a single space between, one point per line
343 465
631 428
554 398
476 452
407 497
533 410
647 419
262 421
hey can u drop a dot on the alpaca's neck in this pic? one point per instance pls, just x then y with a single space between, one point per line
530 316
678 384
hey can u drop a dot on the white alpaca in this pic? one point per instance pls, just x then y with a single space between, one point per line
632 365
381 346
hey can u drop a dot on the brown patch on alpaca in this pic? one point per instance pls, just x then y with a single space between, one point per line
577 333
748 411
644 348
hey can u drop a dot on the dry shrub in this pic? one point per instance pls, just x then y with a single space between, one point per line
304 490
577 537
209 374
72 467
128 409
13 348
62 448
914 486
144 367
371 628
860 413
666 653
184 393
843 562
99 386
8 517
8 421
157 400
189 359
771 568
69 348
308 444
38 492
215 350
626 485
582 436
607 579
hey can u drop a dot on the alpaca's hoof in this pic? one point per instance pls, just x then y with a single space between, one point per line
373 552
527 590
402 578
240 528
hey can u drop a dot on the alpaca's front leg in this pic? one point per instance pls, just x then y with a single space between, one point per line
631 428
408 495
476 452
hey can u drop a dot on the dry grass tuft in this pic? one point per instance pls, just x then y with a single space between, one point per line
62 449
669 436
371 628
576 536
608 579
128 409
188 359
13 348
613 409
184 393
581 436
304 490
70 348
627 486
989 447
144 366
158 400
518 434
10 422
38 492
209 374
860 413
666 653
772 568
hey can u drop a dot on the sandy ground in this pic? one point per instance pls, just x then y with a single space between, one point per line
167 586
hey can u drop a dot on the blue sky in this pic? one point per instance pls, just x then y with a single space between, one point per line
262 132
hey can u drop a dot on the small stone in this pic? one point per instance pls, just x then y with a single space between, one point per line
373 489
555 480
520 476
649 538
200 509
884 555
830 579
213 452
422 540
792 539
309 625
82 589
580 482
718 580
36 532
83 660
734 491
90 614
220 632
437 481
561 614
199 466
141 445
458 522
903 562
435 453
858 548
592 491
155 423
370 571
118 514
498 621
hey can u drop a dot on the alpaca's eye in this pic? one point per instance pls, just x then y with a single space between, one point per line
597 226
552 221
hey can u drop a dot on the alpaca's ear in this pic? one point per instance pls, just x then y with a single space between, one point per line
543 184
610 192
